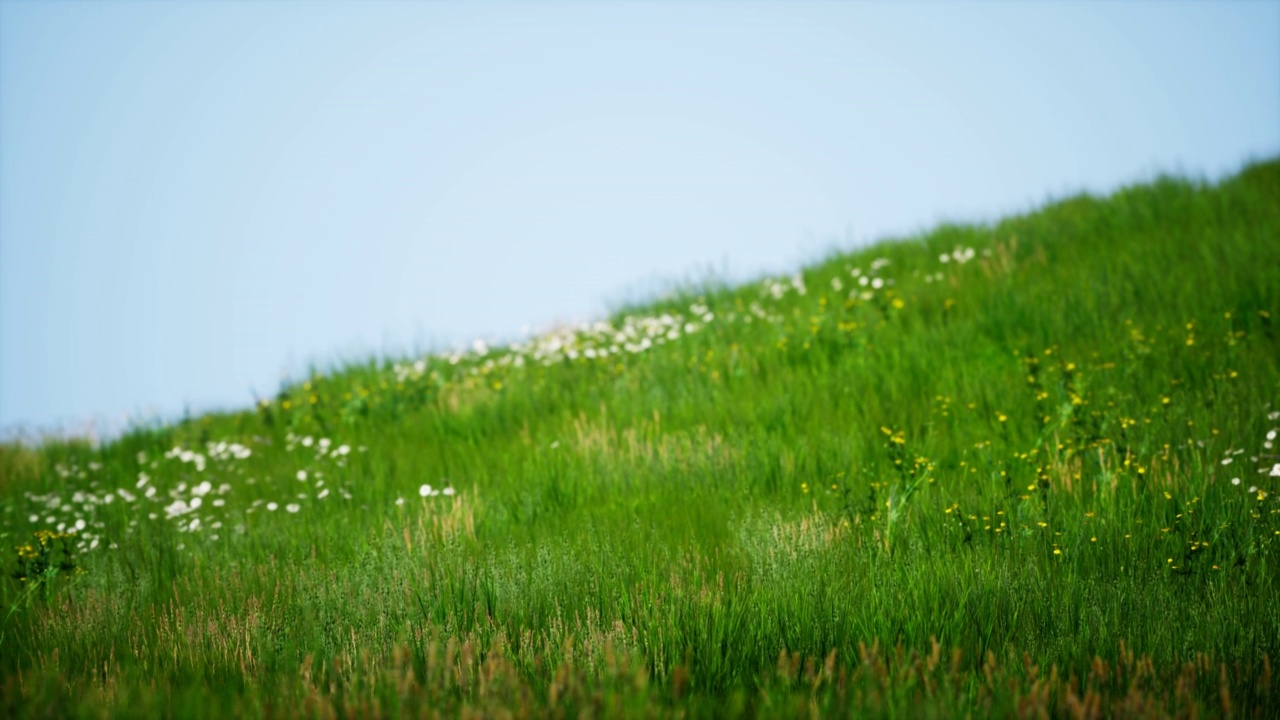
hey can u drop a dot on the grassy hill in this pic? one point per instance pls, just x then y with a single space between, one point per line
1023 468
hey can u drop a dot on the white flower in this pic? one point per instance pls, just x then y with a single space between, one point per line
306 441
322 494
293 507
1271 435
202 489
1275 471
399 501
448 491
196 502
302 476
344 449
1235 481
424 491
1253 488
1226 461
80 524
272 506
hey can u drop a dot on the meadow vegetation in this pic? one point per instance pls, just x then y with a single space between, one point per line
1027 468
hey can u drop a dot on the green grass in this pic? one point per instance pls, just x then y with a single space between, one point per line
995 486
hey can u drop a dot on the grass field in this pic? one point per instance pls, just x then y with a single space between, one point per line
1029 468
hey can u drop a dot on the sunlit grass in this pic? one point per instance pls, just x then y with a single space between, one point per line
1000 469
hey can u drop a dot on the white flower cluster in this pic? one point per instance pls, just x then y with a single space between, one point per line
579 342
407 371
188 500
428 491
71 470
224 450
186 456
960 255
869 281
1264 461
1269 444
323 447
777 289
600 339
77 515
325 450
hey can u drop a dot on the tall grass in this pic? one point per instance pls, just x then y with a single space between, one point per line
1014 469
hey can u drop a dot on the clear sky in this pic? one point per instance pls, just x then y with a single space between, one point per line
198 197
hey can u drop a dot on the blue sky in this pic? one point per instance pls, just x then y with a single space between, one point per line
196 198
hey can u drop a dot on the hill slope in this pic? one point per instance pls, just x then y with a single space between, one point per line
988 469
